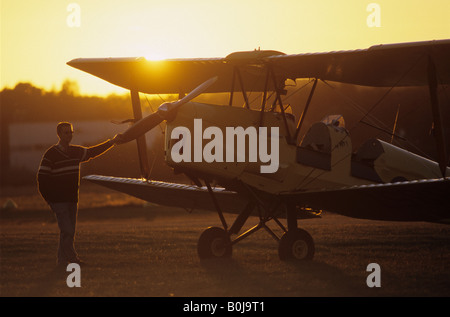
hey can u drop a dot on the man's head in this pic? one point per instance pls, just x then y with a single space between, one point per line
64 131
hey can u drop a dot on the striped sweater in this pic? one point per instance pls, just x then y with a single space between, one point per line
59 171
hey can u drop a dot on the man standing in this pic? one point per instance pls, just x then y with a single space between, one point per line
58 183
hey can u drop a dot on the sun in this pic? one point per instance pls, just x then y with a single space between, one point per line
155 56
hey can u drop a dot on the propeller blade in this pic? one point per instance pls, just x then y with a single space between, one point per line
123 121
154 119
169 106
142 126
199 90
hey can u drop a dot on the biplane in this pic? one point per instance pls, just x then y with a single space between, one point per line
250 161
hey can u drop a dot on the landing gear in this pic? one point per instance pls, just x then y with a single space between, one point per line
214 242
296 244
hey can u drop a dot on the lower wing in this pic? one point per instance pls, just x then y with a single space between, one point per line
170 194
421 200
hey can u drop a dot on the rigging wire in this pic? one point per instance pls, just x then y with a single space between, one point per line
151 108
380 124
390 89
367 114
298 89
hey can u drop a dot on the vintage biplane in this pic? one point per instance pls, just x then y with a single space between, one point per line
301 175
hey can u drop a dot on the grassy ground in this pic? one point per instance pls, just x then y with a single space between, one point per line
137 250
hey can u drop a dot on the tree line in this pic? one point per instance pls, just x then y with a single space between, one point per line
28 103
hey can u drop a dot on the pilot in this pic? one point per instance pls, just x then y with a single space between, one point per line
58 182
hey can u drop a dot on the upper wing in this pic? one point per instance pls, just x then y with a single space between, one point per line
423 200
403 64
170 194
158 77
382 65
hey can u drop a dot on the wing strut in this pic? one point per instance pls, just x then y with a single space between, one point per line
280 103
244 93
216 204
437 118
300 122
140 141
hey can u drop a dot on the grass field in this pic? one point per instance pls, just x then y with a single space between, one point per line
133 249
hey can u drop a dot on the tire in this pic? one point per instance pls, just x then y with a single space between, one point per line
214 243
296 245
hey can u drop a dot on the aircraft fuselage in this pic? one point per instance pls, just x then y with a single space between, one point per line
227 143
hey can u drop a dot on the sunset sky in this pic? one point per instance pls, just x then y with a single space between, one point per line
38 37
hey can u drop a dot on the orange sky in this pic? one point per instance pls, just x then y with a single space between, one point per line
37 40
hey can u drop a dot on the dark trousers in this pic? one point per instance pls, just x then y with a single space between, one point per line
66 215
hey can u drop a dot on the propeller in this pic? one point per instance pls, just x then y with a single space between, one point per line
163 112
123 121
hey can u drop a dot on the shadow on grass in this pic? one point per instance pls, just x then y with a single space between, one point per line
305 278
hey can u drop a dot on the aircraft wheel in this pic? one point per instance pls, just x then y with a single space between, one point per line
296 245
214 243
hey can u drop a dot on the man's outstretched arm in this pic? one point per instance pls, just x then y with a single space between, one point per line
96 150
